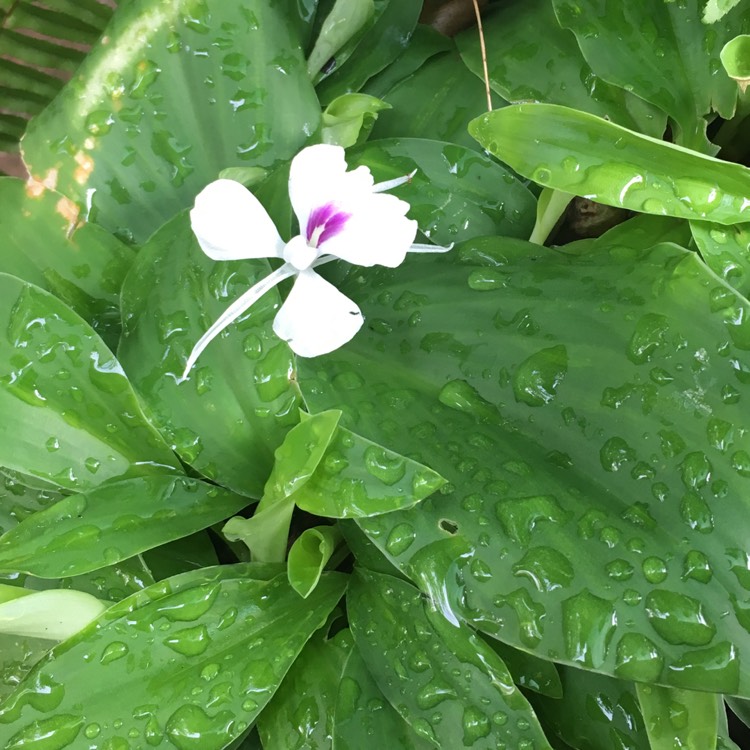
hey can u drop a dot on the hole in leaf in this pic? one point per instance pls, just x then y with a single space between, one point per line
447 525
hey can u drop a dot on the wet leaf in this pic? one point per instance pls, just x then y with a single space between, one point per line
363 713
18 654
301 713
18 502
726 251
584 155
594 712
232 632
68 414
456 193
552 533
238 402
421 662
181 555
43 243
348 119
230 78
678 68
85 532
679 718
530 58
735 57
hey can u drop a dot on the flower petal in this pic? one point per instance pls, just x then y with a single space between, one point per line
318 176
377 232
253 294
316 318
230 223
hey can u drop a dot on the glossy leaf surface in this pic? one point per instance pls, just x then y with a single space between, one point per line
365 717
421 662
726 251
227 418
456 193
230 78
584 155
587 419
111 523
680 70
68 415
301 713
309 555
18 502
231 631
679 718
528 670
530 58
82 265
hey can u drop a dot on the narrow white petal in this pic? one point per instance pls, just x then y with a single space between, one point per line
377 233
381 187
316 318
235 310
230 223
318 176
417 248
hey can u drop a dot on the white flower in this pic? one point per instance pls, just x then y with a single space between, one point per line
341 215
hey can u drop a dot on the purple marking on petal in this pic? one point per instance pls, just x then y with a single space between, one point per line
325 221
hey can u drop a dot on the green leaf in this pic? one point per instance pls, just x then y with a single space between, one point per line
438 101
67 412
679 718
301 713
18 502
181 555
55 614
568 485
85 532
357 478
735 57
456 193
424 44
348 119
226 419
214 662
379 46
309 555
112 583
421 661
584 155
594 712
176 93
362 712
82 265
530 58
726 251
715 10
661 52
347 19
18 654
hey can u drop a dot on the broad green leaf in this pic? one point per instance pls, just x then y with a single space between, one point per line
380 45
735 57
726 251
594 712
366 554
661 52
42 243
455 194
217 643
527 670
85 532
584 155
181 555
715 10
421 662
424 44
309 556
363 715
238 401
530 58
175 93
112 583
345 21
348 119
67 412
18 502
54 614
588 412
301 713
18 654
679 718
438 101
